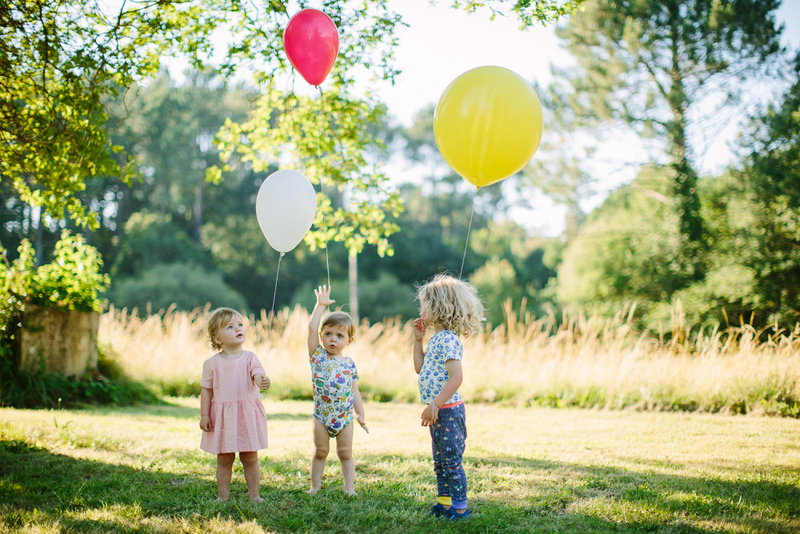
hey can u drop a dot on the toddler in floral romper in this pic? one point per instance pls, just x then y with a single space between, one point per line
336 396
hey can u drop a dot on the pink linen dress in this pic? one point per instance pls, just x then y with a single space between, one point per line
237 413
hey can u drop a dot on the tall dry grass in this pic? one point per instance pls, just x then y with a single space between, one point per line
581 361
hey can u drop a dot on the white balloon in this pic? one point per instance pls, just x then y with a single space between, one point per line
285 207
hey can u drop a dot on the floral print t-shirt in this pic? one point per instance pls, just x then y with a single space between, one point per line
442 346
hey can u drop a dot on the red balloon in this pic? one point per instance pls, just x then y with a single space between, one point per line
311 42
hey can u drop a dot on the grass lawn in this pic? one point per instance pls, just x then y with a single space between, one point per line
530 470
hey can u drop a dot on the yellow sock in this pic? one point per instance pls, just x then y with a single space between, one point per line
444 500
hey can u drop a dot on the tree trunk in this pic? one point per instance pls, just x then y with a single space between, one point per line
57 341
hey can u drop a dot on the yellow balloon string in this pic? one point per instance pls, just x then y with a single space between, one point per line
321 185
469 229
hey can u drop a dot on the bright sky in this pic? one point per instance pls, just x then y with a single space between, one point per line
442 43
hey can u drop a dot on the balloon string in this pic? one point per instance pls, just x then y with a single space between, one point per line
321 185
469 229
275 292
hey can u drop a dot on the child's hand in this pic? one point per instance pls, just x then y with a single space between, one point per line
205 423
429 415
262 381
360 419
324 296
419 329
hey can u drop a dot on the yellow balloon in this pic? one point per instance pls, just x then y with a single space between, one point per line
488 124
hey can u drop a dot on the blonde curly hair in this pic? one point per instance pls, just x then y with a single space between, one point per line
451 304
219 318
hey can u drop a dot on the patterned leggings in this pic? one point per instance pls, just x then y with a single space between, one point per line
449 435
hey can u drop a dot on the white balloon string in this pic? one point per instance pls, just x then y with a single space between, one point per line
469 229
321 180
275 292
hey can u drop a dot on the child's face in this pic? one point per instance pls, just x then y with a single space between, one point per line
335 338
231 335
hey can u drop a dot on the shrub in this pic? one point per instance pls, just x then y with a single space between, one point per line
38 389
186 286
152 239
72 281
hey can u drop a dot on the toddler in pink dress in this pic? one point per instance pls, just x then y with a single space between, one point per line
232 415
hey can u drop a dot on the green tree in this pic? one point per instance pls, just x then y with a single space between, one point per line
61 59
169 129
331 153
72 281
432 239
379 298
626 251
250 266
756 210
152 239
518 265
558 168
62 150
496 281
654 65
185 286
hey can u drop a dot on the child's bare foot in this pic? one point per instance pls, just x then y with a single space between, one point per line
351 493
220 499
313 491
256 499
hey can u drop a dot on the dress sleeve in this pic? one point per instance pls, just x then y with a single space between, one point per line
354 371
207 380
255 366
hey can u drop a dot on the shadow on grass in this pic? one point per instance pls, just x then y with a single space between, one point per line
168 409
40 489
663 502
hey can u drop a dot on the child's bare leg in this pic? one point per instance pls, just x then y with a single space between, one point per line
224 474
321 449
252 474
344 449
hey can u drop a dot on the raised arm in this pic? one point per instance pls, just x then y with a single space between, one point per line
323 294
417 351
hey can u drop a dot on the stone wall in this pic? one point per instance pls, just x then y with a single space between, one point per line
65 340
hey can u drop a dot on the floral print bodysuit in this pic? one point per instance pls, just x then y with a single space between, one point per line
332 379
